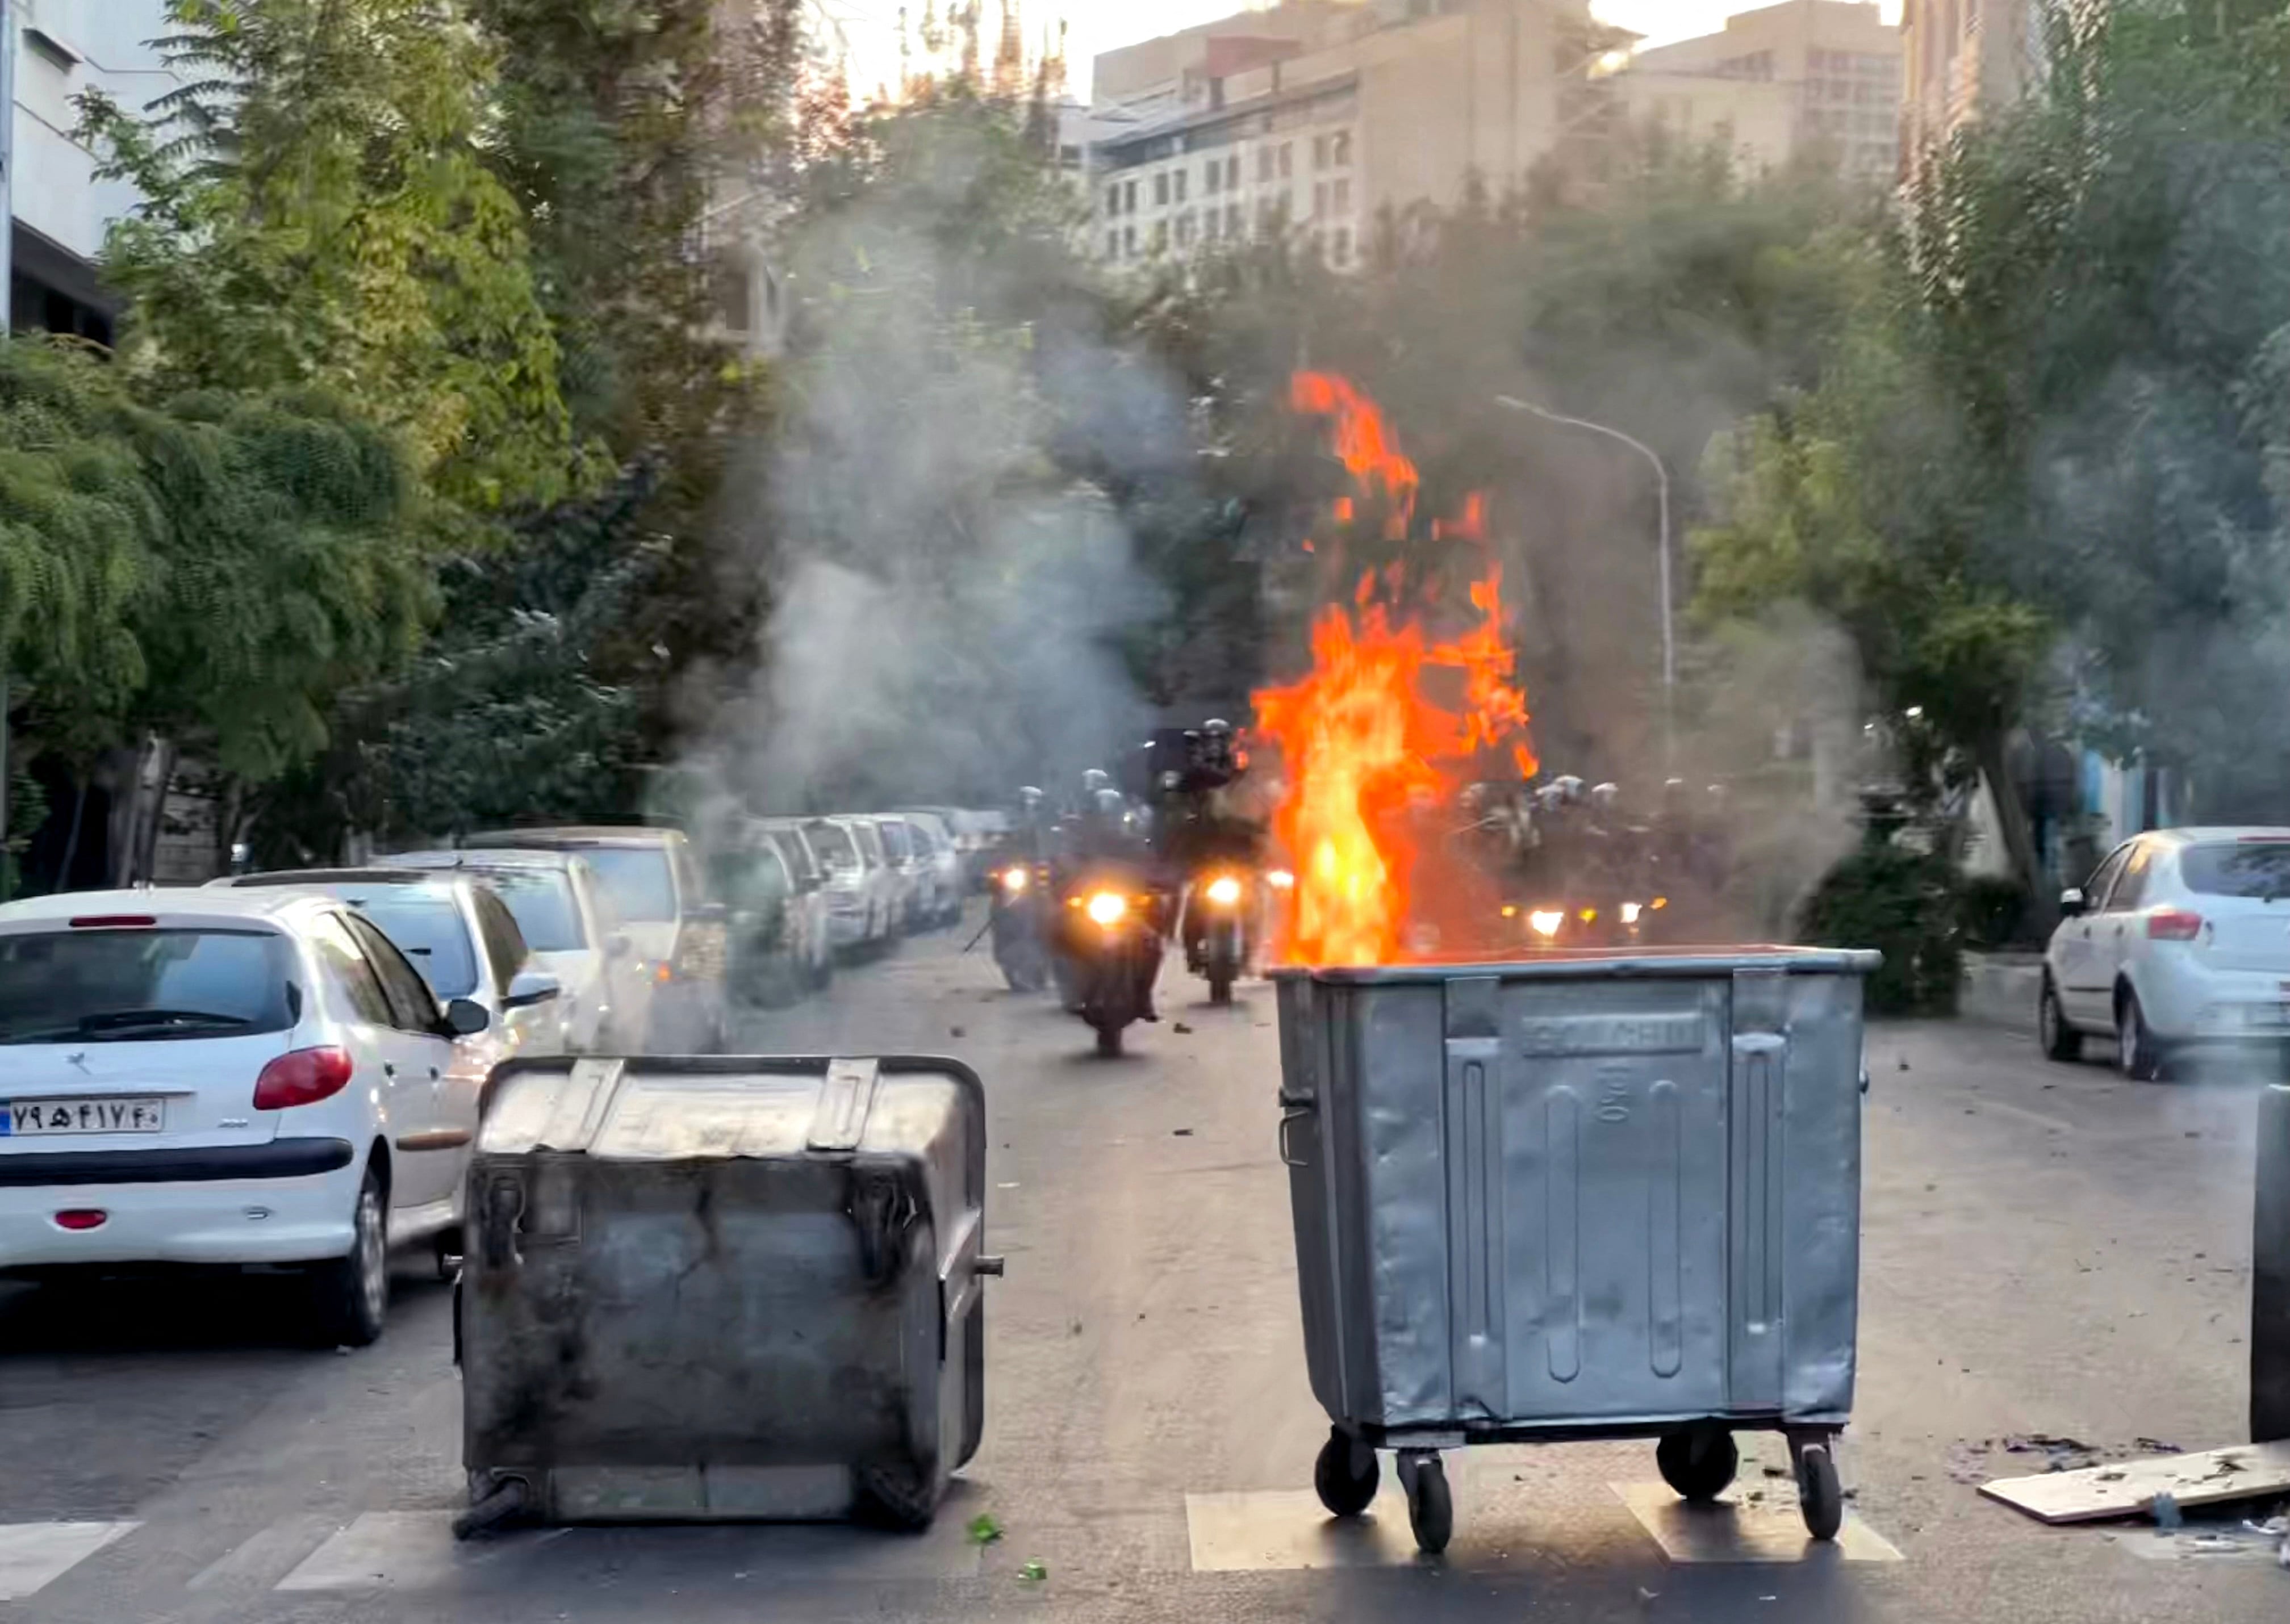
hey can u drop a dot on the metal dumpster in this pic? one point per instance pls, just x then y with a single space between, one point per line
1604 1195
729 1287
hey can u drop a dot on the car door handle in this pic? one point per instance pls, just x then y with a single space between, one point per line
390 1068
433 1074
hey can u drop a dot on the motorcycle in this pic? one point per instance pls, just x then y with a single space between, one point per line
1108 954
1019 951
1222 911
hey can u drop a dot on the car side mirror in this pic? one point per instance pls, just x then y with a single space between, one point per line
531 987
2070 903
465 1018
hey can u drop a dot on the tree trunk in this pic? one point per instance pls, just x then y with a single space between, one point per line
158 777
230 808
71 835
2019 837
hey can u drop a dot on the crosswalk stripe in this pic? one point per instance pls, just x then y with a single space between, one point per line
381 1550
268 1556
33 1556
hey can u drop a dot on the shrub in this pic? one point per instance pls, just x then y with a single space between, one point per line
1904 903
1996 913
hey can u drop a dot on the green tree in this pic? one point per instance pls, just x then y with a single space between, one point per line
319 213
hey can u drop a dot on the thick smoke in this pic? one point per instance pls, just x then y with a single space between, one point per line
947 601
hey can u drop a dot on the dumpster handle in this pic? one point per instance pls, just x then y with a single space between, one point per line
1289 1117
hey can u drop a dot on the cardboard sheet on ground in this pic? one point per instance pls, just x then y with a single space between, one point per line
2127 1487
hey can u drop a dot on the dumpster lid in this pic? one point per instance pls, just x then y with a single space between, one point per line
694 1108
1604 963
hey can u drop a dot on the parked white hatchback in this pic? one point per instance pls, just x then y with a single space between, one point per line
2181 938
228 1078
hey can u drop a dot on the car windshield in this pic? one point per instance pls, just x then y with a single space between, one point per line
833 843
540 902
636 879
428 929
2244 868
117 986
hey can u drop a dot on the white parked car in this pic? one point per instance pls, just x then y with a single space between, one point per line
949 883
560 908
2181 938
460 935
910 877
816 925
223 1076
861 896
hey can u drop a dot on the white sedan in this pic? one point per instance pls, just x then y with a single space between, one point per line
228 1078
2181 938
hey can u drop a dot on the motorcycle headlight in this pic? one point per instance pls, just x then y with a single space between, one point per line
1630 911
1280 879
1108 908
1015 880
1546 921
1224 890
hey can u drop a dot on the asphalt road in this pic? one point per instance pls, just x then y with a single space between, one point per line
2048 1251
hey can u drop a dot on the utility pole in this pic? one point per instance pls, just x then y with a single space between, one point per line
7 326
1661 498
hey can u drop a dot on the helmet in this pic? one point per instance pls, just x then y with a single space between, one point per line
1029 797
1217 727
1569 788
1550 797
1605 796
1474 797
1107 803
1095 779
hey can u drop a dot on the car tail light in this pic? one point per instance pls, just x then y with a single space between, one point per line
303 1078
82 1218
113 922
2173 925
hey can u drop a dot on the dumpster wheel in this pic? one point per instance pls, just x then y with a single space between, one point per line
1430 1508
1697 1461
1346 1474
1820 1496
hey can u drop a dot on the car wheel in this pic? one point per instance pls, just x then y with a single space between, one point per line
2136 1052
2061 1041
350 1295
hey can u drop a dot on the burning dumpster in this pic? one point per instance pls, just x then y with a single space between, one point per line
1615 1195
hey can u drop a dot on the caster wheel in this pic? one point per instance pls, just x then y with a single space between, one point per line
1430 1508
1820 1496
1697 1461
1346 1474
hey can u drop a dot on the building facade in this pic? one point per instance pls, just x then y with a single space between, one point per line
1779 84
1963 57
62 208
1310 120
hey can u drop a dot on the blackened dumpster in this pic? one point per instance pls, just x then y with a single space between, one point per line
723 1288
1593 1196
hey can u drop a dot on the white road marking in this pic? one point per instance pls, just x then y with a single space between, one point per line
34 1556
381 1550
268 1556
1731 1529
1287 1529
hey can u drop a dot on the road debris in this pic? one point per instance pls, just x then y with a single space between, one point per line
1181 1029
1033 1571
984 1530
2165 1509
2132 1488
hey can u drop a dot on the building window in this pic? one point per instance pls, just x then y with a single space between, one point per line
1232 174
1161 190
1288 159
1180 178
1232 220
1319 152
1211 175
1160 236
1113 198
1343 244
1129 240
1211 221
1264 163
1319 198
1113 244
1129 197
1267 216
1341 143
1343 197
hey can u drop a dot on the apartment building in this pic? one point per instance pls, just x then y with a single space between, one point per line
1963 57
1312 118
1779 82
63 48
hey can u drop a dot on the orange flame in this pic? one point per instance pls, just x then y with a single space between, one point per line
1367 752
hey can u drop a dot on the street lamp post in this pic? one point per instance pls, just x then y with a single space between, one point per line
1662 493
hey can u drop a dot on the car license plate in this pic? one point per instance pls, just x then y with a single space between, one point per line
32 1118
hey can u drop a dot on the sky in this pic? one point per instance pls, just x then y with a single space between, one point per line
1101 25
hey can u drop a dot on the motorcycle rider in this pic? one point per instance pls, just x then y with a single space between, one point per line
1207 825
1103 841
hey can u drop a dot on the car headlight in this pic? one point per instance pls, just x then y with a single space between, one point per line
1108 908
1224 890
1546 921
1630 911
